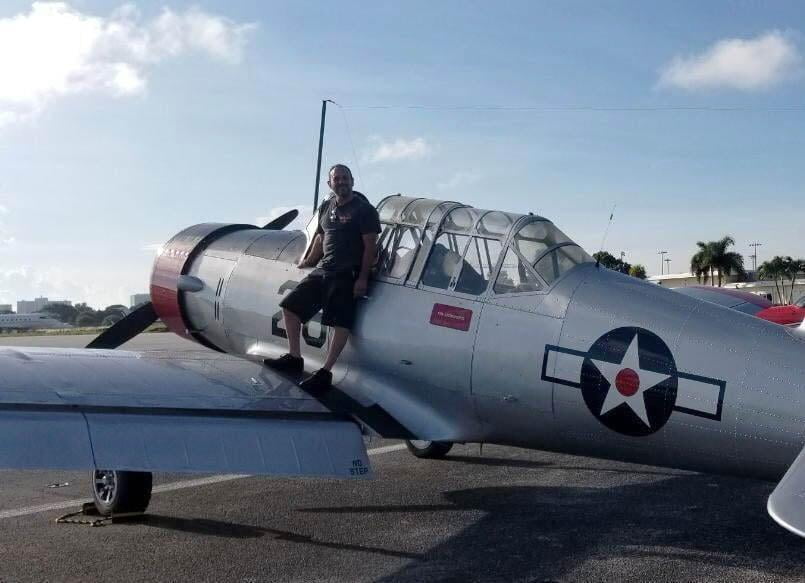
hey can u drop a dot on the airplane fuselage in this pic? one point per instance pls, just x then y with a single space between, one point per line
597 363
29 322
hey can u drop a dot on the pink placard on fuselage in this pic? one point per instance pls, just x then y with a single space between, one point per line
451 317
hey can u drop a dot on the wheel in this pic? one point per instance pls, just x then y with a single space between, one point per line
118 492
428 449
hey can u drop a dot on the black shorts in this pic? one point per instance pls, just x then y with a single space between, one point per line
330 292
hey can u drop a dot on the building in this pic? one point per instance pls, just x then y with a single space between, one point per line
765 288
35 305
6 308
138 299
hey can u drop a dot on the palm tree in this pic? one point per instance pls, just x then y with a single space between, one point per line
714 260
700 262
726 262
774 269
779 269
799 267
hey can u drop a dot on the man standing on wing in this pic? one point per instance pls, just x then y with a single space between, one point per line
344 248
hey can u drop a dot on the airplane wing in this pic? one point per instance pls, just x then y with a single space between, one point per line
182 412
785 503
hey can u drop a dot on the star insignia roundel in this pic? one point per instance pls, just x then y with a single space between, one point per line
629 381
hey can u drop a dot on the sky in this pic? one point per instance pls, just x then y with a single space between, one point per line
123 123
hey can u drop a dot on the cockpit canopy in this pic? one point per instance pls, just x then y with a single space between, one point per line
450 246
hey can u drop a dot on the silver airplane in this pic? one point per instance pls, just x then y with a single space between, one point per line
481 326
30 322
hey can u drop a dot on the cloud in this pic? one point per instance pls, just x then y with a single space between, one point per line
459 179
56 282
23 283
747 65
399 149
6 239
7 118
54 50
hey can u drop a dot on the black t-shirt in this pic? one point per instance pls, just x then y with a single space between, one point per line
343 228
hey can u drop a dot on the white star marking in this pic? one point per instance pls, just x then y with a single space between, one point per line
648 379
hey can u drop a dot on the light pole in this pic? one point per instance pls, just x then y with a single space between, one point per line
754 255
668 264
662 258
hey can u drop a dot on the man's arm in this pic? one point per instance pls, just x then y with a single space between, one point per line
316 251
367 260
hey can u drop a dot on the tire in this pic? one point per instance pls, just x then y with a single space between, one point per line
118 492
429 449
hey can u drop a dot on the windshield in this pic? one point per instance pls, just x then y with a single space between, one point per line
537 237
547 250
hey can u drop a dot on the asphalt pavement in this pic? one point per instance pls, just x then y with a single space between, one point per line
497 514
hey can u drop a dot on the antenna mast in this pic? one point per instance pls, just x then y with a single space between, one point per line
321 145
604 238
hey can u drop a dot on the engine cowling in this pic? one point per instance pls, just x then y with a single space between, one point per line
175 260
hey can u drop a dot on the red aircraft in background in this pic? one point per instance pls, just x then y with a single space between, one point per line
748 303
790 315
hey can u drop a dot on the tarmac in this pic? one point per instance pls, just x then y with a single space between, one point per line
496 514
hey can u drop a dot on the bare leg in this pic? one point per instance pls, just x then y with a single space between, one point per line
293 327
340 336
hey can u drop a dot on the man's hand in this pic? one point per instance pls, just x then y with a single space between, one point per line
360 288
313 256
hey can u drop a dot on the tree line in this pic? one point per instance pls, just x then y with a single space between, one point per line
714 262
82 315
609 261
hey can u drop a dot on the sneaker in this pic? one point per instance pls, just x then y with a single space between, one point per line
286 363
321 380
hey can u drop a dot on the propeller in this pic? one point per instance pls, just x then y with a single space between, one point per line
281 221
124 330
143 316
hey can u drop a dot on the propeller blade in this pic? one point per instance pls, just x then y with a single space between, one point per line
282 221
127 328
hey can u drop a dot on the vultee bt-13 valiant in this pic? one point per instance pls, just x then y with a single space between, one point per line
481 326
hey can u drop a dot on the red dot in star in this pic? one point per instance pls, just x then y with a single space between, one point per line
627 382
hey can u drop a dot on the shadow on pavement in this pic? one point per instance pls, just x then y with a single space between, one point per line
697 522
203 526
496 461
530 464
230 530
